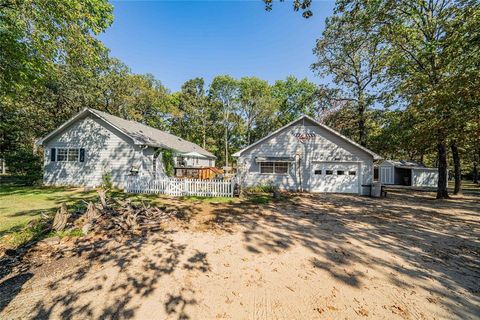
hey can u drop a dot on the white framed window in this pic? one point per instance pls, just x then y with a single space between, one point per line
70 154
274 167
73 154
62 154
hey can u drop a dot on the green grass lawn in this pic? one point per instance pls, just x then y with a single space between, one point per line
467 185
21 204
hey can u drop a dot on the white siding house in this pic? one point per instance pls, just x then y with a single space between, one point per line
95 143
307 155
408 173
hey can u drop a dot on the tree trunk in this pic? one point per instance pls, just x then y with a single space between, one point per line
362 131
226 147
457 169
442 191
475 173
476 160
61 218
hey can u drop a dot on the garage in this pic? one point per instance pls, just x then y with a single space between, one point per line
335 177
306 155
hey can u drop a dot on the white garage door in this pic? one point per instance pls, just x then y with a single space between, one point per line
335 177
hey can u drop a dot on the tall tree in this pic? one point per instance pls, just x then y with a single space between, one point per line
195 112
224 91
294 98
421 39
36 34
349 52
256 106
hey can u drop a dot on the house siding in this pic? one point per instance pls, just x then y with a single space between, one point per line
324 147
421 177
106 150
424 178
196 162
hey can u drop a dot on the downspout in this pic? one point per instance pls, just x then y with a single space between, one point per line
299 172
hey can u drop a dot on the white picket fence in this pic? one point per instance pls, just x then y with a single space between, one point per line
180 187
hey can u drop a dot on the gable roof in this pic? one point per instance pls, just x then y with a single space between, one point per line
373 154
140 134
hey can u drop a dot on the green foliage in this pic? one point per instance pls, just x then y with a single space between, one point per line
36 34
298 5
295 98
350 52
168 163
107 180
256 198
70 233
261 188
25 164
36 230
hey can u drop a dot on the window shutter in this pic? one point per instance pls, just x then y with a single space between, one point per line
53 154
82 155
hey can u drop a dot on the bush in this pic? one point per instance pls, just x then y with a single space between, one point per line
107 180
25 164
167 159
261 188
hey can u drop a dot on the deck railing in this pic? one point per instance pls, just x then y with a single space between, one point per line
179 187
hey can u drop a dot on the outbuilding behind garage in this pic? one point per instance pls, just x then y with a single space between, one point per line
407 173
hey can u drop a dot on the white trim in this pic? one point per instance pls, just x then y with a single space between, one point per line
75 118
375 156
336 161
63 126
274 173
67 155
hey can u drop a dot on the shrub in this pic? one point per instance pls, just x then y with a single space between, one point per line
25 164
107 180
261 188
167 159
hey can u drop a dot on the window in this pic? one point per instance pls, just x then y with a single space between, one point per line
352 173
274 167
73 154
281 167
328 172
318 172
62 154
340 172
70 155
266 167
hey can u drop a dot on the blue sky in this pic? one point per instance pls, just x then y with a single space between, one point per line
179 40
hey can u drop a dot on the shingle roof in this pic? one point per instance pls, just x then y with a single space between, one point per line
407 164
143 134
139 133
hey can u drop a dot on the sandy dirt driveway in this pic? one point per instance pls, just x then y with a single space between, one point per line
308 257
